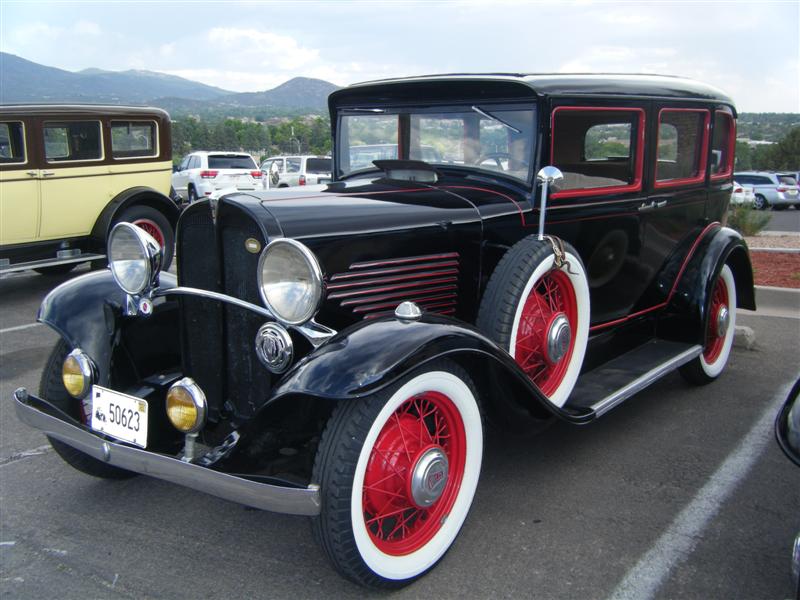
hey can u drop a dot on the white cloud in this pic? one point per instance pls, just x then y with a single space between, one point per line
87 28
267 48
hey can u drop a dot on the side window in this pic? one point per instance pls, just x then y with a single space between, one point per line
293 165
72 141
194 162
682 146
133 139
185 163
722 145
599 150
12 143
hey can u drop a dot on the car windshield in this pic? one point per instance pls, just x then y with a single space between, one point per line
486 137
318 165
231 161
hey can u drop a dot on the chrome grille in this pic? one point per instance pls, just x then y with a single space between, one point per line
374 288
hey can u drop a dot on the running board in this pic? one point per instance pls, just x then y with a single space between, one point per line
7 267
611 384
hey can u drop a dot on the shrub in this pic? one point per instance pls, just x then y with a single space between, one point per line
747 221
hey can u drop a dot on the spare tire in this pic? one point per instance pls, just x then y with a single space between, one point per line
539 313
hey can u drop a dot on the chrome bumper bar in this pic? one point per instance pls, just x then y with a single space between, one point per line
294 501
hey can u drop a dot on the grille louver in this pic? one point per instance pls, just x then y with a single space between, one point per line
375 288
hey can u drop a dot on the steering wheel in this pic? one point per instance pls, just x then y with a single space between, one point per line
497 158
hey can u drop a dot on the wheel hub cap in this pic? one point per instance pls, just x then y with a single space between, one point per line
429 477
723 321
559 335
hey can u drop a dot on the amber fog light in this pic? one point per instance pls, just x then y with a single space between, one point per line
77 374
186 406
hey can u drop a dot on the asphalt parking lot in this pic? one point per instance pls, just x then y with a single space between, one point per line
784 220
681 492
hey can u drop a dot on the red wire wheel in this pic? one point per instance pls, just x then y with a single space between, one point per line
551 297
152 228
428 424
716 339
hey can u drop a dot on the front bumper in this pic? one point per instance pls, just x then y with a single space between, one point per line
295 501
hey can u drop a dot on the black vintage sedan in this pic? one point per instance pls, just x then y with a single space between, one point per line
538 247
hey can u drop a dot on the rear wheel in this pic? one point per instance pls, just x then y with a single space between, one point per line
398 471
154 223
192 193
720 329
51 388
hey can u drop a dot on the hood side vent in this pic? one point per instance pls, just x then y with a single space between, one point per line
374 288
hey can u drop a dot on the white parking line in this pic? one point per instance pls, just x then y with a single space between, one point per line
679 540
19 327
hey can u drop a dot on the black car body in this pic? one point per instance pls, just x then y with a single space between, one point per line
425 299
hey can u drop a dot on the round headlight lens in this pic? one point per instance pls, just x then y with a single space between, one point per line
77 374
186 406
130 254
290 280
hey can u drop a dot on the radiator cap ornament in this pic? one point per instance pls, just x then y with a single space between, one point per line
408 311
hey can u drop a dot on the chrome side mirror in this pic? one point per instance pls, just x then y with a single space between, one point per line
549 176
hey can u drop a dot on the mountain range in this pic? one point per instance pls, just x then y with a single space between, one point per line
24 81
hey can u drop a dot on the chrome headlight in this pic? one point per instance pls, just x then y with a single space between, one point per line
134 256
290 281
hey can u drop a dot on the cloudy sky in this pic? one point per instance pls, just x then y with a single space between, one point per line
749 49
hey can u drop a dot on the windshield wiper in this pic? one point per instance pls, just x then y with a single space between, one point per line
493 118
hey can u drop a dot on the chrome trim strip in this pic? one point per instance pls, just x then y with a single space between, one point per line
638 384
47 262
315 333
294 501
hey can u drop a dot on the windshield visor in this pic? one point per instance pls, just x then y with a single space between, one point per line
485 137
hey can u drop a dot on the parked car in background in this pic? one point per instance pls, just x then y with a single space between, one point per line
69 173
362 156
201 173
787 432
289 171
772 190
742 195
336 352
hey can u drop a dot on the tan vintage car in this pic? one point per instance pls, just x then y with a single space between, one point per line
69 173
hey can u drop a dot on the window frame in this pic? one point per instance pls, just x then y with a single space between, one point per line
25 153
702 167
728 172
638 164
55 163
156 139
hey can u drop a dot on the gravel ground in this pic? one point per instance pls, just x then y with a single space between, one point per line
773 241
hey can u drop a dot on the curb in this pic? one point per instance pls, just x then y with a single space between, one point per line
782 250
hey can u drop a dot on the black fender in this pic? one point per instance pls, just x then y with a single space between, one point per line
689 304
371 355
139 195
89 313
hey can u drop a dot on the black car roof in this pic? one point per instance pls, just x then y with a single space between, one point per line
568 84
113 110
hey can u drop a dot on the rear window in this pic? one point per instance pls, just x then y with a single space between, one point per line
131 139
318 165
787 180
231 161
12 143
72 141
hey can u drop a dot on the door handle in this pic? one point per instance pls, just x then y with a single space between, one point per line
47 173
647 206
32 173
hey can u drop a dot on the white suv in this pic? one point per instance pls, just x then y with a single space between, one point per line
286 171
202 173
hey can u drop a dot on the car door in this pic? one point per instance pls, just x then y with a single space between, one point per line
19 183
180 178
74 179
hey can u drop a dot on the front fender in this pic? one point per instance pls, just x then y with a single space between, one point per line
88 312
372 355
690 302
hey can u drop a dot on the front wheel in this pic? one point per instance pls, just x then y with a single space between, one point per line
720 326
760 203
398 471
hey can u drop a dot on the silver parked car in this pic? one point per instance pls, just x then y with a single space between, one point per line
778 190
289 171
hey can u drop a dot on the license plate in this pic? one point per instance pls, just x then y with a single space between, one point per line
119 415
793 192
324 180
